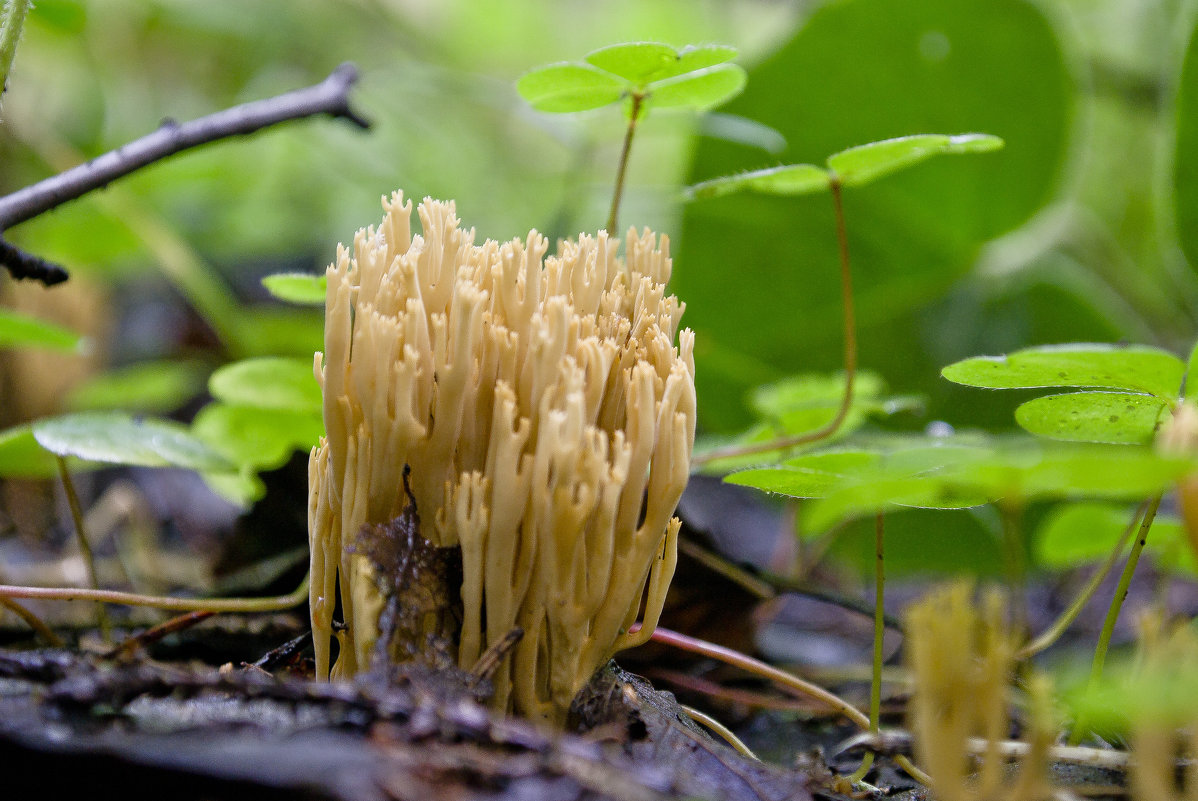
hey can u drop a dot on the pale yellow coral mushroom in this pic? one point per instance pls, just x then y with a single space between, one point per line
548 419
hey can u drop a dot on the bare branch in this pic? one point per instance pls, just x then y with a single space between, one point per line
330 96
25 265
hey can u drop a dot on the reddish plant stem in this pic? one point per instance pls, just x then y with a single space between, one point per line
850 359
634 113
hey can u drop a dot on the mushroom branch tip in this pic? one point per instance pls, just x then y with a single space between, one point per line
545 405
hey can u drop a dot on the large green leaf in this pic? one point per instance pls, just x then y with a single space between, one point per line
1115 417
118 438
20 330
569 87
268 382
759 273
1135 367
866 163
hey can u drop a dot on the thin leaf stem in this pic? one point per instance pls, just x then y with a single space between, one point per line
1062 623
875 685
166 602
787 681
35 622
634 114
1011 515
85 548
1112 616
850 358
720 729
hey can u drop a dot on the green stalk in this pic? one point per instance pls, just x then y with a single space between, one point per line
89 557
1054 632
36 623
850 358
1112 616
12 20
272 604
1016 567
719 728
634 113
875 687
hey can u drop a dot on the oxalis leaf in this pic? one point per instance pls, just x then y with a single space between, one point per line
118 438
948 475
19 330
642 62
636 62
569 87
302 288
268 382
852 167
865 163
812 475
1114 417
1137 368
696 77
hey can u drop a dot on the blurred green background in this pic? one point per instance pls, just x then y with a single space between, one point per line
1085 228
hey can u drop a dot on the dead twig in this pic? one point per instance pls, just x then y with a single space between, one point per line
330 96
132 644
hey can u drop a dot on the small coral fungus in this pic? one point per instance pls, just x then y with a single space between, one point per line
546 408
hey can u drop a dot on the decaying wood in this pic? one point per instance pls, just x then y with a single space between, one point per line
70 723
